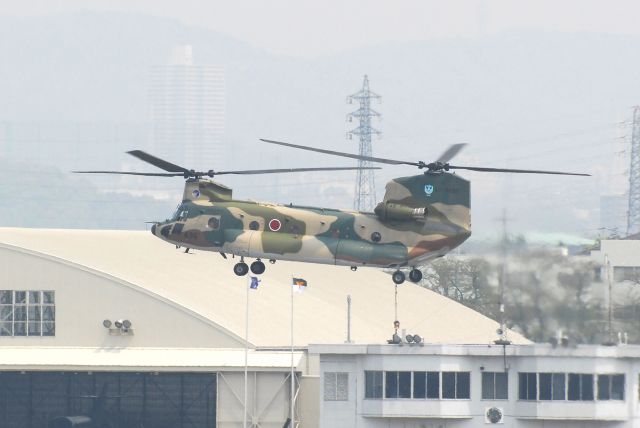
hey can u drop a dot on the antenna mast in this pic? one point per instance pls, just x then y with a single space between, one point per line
633 217
365 195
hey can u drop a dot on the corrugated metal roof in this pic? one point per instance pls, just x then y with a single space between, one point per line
205 283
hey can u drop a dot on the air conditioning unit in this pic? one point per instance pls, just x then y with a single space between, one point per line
493 415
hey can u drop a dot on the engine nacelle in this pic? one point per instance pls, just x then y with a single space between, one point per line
392 211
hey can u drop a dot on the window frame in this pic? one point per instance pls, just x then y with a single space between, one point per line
28 314
527 376
494 377
335 376
374 386
398 387
581 386
456 385
610 385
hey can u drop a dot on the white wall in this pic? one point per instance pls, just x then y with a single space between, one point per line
83 299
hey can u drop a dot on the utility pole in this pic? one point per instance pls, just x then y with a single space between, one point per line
633 216
365 195
502 331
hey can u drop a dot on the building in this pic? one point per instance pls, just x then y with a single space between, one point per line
442 386
120 324
187 110
619 260
89 315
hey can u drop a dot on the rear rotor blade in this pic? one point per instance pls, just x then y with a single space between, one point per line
451 152
148 174
518 171
283 170
156 161
346 155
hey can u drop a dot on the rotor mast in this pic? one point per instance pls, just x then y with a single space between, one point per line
365 194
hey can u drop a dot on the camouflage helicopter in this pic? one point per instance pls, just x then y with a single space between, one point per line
421 217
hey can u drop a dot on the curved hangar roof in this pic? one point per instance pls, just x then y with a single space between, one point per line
204 283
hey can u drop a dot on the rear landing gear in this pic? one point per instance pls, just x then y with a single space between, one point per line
415 275
240 269
257 267
398 277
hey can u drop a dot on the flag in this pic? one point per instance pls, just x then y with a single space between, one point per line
254 282
299 284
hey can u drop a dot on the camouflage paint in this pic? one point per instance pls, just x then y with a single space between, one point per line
421 217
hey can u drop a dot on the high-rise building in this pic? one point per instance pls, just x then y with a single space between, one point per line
187 110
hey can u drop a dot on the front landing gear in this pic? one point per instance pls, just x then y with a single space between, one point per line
415 275
398 277
241 269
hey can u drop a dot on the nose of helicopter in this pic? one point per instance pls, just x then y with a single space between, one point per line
161 230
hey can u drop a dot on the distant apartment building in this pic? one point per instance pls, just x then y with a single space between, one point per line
187 110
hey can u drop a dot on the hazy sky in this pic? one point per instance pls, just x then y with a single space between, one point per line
536 85
312 28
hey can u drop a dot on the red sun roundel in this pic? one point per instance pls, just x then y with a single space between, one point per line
274 224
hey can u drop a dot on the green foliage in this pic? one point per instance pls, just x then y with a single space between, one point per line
544 292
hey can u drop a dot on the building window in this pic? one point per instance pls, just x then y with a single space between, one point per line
433 385
426 385
397 385
495 386
27 313
456 385
419 384
626 273
336 386
611 387
373 384
552 386
580 387
527 386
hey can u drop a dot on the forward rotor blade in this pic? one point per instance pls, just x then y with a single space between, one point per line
156 161
346 155
518 171
451 152
147 174
275 171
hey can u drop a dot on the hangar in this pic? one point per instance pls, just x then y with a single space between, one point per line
179 358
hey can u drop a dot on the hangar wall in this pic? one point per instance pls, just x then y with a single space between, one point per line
84 298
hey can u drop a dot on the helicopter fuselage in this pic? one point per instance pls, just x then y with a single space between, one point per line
403 231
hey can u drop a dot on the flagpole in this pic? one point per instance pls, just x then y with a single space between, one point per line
246 356
292 425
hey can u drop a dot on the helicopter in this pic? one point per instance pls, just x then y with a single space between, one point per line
421 217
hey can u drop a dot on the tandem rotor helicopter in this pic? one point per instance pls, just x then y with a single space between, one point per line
421 217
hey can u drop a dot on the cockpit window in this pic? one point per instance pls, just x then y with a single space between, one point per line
180 214
214 223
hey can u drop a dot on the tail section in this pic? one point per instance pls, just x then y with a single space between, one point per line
438 196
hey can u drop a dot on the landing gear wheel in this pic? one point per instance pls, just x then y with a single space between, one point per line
240 269
415 275
398 277
257 267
